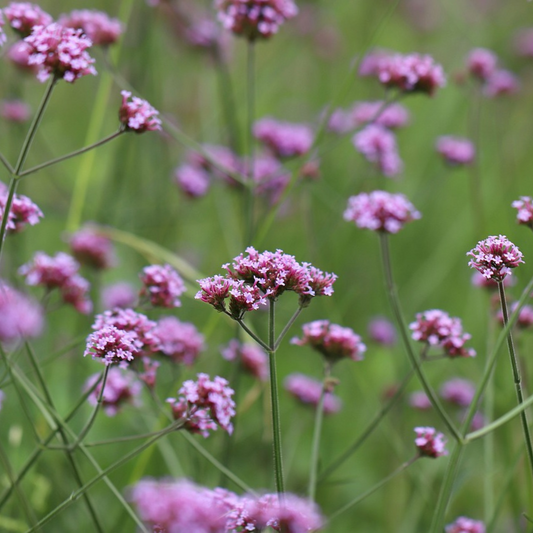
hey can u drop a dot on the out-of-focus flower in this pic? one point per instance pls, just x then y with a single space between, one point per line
203 33
15 110
525 210
120 294
466 525
525 316
481 63
60 52
456 150
19 55
380 211
220 162
430 443
382 331
137 114
458 391
192 180
390 116
251 357
23 16
97 25
341 121
308 391
479 280
180 341
494 257
419 400
284 139
23 211
378 145
500 83
92 248
75 292
162 285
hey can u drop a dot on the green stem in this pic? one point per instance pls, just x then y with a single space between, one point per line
6 163
253 335
287 327
7 208
250 186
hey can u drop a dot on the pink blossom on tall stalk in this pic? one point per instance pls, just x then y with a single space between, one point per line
430 443
456 150
378 145
178 340
192 180
92 248
255 19
525 316
121 388
458 391
15 110
205 404
120 294
284 139
380 211
23 211
162 285
308 391
137 114
60 52
75 292
420 400
525 210
494 257
382 331
113 345
24 16
97 25
465 525
501 83
481 63
251 357
390 116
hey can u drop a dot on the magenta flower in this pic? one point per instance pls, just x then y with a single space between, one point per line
162 285
222 161
479 280
481 63
19 54
458 391
251 357
60 52
420 400
15 110
525 210
113 345
430 443
203 33
501 83
308 391
205 405
382 331
341 121
380 211
214 291
121 388
23 211
284 139
466 525
334 342
97 25
192 180
390 116
75 292
119 294
270 177
456 150
137 114
255 19
494 257
378 145
525 316
23 16
178 340
92 248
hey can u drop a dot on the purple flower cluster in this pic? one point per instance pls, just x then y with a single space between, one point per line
178 340
419 400
192 180
284 139
59 272
458 391
525 316
205 404
14 110
430 443
382 331
162 285
391 116
251 357
308 391
23 211
334 342
121 388
456 150
465 525
494 257
120 294
23 16
113 345
525 210
380 211
137 114
97 25
255 19
92 248
438 328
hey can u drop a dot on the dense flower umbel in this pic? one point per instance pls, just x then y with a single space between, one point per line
92 248
458 391
205 404
60 52
438 328
23 16
97 25
378 145
380 211
456 150
180 341
113 345
162 285
137 114
430 443
465 525
334 342
308 391
121 388
255 18
251 357
23 211
285 139
481 63
494 257
525 210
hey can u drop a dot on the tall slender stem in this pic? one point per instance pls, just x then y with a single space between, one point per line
250 188
288 325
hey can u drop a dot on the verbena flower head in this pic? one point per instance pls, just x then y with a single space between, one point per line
97 25
430 443
308 391
178 340
92 248
284 139
15 110
525 316
120 294
382 331
501 83
162 285
420 400
456 150
60 52
438 328
192 180
23 211
465 525
334 342
525 210
205 404
255 19
121 388
270 177
481 63
390 116
458 391
23 16
251 357
380 211
137 114
378 145
494 257
113 345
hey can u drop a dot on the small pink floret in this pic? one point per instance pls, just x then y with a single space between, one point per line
23 16
162 285
430 443
285 139
378 145
308 391
97 25
466 525
456 150
137 114
481 63
92 248
525 210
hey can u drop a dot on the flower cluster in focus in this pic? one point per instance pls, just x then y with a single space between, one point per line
137 114
162 285
430 443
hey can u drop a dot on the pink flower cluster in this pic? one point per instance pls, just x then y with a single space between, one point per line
525 210
284 139
382 331
59 52
205 404
92 248
458 391
308 391
119 294
24 16
465 525
121 388
97 25
419 400
255 19
178 340
405 72
192 180
456 150
391 116
334 342
438 328
525 316
430 443
15 110
137 114
494 257
59 272
23 211
251 357
162 285
380 211
113 345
